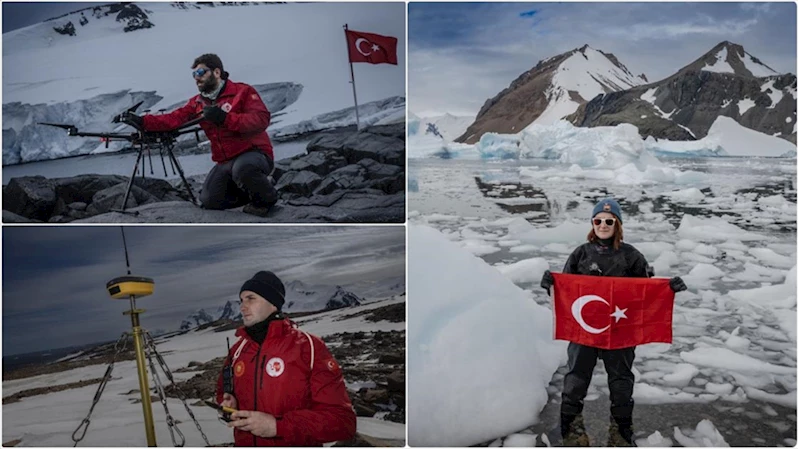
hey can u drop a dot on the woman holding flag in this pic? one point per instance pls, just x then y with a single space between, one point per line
605 254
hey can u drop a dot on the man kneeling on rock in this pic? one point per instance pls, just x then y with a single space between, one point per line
235 121
284 383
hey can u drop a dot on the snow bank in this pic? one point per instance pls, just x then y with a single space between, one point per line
468 387
525 271
726 137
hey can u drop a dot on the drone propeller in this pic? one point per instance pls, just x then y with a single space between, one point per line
135 106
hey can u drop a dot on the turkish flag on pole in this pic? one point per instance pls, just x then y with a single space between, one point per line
612 312
371 48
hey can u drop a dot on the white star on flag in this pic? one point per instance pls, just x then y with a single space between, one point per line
375 47
619 314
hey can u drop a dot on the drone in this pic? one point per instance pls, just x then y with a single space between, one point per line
141 141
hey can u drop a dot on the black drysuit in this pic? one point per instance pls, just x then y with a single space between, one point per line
601 259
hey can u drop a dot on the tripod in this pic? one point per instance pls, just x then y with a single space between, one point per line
164 147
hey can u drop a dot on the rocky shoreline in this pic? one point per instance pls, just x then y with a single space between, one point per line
346 176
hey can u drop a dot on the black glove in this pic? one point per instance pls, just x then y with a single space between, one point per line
129 118
214 114
677 284
547 281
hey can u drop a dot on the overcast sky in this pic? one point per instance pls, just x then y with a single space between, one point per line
461 54
54 277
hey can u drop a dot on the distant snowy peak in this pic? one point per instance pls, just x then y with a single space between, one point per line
728 57
300 297
446 126
591 72
552 90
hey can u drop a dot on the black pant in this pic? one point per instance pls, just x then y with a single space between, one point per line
239 181
618 363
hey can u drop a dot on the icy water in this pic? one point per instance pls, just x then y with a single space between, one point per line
727 226
122 164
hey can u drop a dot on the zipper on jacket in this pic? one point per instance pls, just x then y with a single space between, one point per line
263 364
255 390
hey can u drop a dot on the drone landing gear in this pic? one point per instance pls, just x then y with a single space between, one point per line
173 162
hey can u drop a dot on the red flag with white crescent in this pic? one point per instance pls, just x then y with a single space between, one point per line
612 312
371 48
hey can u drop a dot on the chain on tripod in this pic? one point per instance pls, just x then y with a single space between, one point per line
152 351
100 388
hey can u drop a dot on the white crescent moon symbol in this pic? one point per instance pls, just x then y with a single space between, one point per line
577 312
358 46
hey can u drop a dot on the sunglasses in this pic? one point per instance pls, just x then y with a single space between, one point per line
608 221
200 72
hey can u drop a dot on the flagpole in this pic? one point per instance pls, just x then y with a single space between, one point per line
352 81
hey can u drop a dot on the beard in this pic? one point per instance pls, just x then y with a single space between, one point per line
208 85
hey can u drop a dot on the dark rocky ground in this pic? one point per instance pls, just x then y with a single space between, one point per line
346 176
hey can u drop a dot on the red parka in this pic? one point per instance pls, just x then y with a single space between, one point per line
244 127
296 380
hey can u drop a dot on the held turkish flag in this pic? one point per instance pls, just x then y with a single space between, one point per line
612 312
371 48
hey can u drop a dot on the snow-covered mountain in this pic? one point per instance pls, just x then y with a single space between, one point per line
724 82
300 297
551 90
87 66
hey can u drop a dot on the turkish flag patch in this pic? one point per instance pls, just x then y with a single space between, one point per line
612 312
238 369
332 366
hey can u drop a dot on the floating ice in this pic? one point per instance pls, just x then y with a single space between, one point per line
654 440
705 435
713 229
520 440
785 400
705 271
726 359
719 389
691 195
770 258
682 375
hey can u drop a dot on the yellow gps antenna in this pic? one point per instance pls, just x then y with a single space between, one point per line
130 287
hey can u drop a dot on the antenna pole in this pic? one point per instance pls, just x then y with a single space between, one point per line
125 244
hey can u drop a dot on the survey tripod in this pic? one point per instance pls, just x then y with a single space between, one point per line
141 141
130 287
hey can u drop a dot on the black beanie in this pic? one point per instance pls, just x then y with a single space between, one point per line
269 286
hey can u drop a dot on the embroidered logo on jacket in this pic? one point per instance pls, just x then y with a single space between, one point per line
275 366
238 368
227 107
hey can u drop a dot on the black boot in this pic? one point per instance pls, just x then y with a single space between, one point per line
261 210
620 432
572 429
